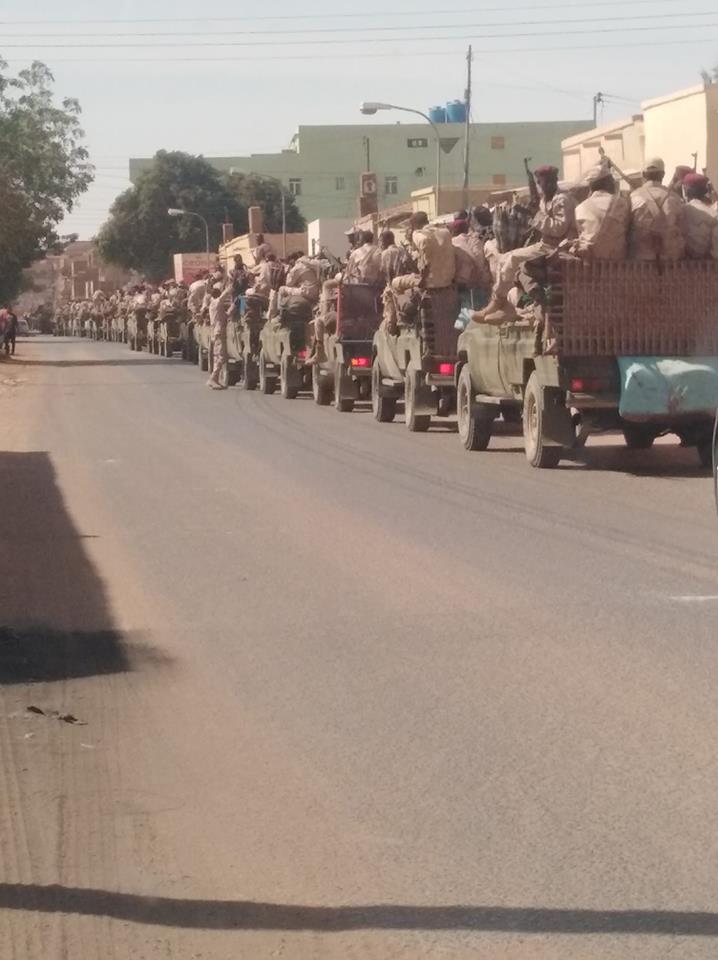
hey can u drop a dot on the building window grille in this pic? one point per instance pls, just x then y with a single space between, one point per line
414 142
499 179
339 183
391 186
295 186
498 143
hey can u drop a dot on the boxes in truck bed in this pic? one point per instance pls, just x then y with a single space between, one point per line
634 308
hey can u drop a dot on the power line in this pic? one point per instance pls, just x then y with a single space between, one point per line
356 55
338 16
363 29
343 41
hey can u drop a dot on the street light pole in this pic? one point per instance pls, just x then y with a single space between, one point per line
371 108
176 212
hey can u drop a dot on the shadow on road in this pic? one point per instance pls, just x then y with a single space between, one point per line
129 362
55 620
246 915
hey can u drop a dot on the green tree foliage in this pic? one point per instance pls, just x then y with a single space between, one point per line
43 170
140 235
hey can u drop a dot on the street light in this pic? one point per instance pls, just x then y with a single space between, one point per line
370 107
176 212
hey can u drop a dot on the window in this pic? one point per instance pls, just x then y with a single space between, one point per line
339 183
498 143
417 142
420 172
499 179
295 186
391 186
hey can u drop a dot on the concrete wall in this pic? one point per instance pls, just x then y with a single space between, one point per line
330 234
623 142
681 124
329 160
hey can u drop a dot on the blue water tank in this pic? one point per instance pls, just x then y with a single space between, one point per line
437 114
456 111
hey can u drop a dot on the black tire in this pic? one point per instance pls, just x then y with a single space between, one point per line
364 388
341 404
538 453
250 374
383 408
133 343
415 422
321 388
267 384
705 453
475 433
289 378
639 436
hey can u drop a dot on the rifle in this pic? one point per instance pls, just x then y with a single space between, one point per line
533 189
612 166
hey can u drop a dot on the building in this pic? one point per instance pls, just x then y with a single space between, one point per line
323 164
681 128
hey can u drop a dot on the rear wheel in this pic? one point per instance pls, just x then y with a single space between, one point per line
341 403
364 388
538 453
267 384
638 436
250 375
321 388
415 422
288 378
383 408
475 433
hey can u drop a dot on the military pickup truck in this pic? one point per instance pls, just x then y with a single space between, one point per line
284 347
244 328
169 329
414 357
351 320
628 346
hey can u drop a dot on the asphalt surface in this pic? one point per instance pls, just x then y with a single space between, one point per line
343 691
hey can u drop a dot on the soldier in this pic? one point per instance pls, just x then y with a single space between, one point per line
700 219
364 264
436 257
657 218
472 270
218 314
554 221
392 256
602 220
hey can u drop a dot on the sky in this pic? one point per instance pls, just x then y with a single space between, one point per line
239 78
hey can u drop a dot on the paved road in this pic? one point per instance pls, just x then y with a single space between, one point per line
343 691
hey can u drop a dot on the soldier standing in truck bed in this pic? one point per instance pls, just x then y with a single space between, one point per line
700 218
602 220
657 218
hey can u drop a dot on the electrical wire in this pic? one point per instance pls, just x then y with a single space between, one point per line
571 5
344 41
402 28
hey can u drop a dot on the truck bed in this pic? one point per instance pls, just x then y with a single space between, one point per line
632 308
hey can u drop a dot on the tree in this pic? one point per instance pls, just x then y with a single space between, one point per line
253 190
140 235
43 170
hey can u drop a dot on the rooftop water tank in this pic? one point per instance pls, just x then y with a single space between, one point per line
456 111
437 114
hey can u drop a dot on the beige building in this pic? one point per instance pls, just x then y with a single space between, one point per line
674 127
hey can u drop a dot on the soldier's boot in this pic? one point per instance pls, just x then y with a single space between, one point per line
495 304
318 355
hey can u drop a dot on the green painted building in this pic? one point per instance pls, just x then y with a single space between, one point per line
323 164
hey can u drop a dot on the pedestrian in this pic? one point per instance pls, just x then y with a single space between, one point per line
11 330
218 315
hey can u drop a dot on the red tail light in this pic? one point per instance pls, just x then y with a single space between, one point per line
587 385
302 354
361 362
446 369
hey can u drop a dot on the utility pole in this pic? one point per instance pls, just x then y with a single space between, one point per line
467 134
597 98
367 149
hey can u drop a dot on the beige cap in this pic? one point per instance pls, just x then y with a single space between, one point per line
655 165
599 171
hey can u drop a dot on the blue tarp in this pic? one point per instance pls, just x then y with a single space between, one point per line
667 386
